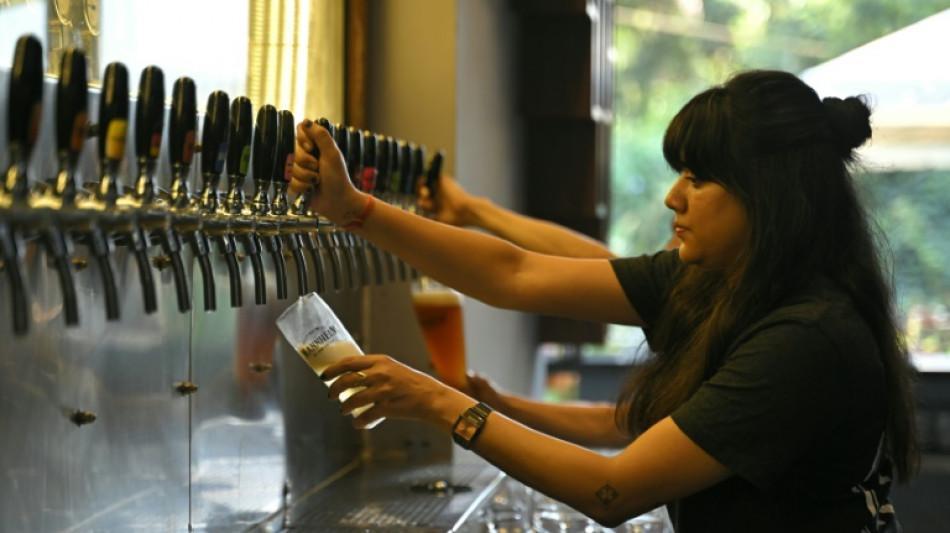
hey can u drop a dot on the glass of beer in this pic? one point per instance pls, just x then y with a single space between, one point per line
439 313
314 330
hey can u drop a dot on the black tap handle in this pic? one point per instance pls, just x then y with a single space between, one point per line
25 100
342 139
284 147
182 124
396 166
113 114
214 134
239 137
408 169
433 173
384 161
354 155
72 106
370 162
418 169
265 143
150 114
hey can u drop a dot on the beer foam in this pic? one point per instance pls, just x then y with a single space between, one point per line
440 298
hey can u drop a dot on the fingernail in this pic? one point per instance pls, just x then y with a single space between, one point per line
307 146
307 123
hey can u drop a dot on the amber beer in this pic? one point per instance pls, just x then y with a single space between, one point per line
439 312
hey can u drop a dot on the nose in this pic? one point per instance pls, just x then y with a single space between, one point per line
674 197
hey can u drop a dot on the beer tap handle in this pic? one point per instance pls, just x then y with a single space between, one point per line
240 131
354 156
214 148
418 172
25 105
214 152
182 128
434 172
368 185
71 122
181 141
72 117
113 128
262 157
240 134
281 175
262 164
149 122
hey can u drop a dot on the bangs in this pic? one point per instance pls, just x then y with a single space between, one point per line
699 137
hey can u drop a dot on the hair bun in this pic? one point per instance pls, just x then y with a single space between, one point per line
850 121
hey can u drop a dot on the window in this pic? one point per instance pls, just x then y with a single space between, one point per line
668 51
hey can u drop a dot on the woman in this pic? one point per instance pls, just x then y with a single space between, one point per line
779 395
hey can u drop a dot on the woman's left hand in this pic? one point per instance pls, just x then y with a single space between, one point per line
396 390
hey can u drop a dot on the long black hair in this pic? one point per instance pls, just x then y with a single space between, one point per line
786 155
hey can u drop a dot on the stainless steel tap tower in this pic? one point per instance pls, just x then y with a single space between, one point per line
144 386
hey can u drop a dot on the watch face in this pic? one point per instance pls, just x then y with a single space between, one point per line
91 14
62 10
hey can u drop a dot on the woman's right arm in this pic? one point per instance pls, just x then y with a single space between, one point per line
485 267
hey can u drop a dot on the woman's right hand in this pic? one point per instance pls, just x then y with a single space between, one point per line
334 195
483 389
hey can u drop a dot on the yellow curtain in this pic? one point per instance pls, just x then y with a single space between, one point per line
296 56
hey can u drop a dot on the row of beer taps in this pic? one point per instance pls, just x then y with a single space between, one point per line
60 212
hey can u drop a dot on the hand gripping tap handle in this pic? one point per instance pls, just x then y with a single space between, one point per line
262 163
280 176
113 129
301 207
214 153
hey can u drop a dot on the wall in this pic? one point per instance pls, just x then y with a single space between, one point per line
441 73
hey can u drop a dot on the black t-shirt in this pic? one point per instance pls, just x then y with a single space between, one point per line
796 411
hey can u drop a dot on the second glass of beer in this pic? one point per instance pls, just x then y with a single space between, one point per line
439 312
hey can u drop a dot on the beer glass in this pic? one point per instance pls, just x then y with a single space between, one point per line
439 313
314 330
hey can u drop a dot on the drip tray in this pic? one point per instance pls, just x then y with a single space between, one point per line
398 497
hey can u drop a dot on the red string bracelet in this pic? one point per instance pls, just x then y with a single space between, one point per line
357 222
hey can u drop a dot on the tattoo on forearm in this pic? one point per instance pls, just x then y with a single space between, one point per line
606 494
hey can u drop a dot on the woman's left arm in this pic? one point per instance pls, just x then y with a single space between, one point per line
661 465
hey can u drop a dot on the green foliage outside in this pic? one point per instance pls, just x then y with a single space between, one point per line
665 54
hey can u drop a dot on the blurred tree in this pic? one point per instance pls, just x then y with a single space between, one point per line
668 51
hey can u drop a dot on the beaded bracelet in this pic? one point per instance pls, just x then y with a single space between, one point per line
357 222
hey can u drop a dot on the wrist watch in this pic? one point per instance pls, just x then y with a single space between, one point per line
470 424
